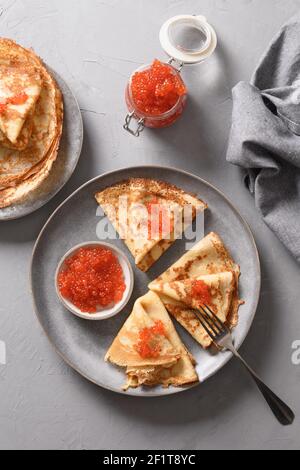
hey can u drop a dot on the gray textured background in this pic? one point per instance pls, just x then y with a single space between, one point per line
95 45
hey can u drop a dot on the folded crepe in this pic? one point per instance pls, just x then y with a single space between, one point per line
20 89
150 349
207 266
30 131
181 297
149 215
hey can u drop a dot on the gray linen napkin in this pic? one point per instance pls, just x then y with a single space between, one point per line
265 135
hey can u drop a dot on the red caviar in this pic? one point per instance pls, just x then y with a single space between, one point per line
159 223
148 346
157 89
92 279
201 292
19 99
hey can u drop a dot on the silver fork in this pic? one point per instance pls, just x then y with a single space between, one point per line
221 337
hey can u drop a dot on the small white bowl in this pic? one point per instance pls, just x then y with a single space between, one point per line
104 314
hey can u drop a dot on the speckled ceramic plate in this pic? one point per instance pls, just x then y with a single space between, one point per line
83 344
64 166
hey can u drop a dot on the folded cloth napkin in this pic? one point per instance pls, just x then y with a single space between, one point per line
265 135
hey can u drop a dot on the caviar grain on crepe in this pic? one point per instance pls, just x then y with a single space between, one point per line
150 349
149 216
205 275
31 117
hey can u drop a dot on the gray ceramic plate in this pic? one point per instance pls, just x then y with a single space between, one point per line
83 344
63 168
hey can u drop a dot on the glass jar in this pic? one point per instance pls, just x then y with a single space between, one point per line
186 39
154 120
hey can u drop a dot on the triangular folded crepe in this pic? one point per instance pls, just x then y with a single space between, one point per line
172 365
149 215
20 88
180 299
209 257
124 351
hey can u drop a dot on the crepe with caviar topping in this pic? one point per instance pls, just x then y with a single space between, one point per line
209 262
150 349
20 89
149 216
26 162
215 290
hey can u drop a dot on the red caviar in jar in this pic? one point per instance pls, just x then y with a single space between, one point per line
156 95
92 279
201 293
157 89
148 346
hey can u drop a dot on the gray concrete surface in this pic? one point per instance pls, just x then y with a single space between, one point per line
95 45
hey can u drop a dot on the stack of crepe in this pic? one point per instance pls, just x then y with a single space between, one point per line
171 365
31 117
210 263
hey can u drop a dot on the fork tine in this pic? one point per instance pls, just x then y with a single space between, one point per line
216 319
200 318
212 324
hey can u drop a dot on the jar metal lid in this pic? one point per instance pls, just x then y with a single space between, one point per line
189 39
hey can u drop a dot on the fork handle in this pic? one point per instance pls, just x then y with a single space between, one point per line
281 411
